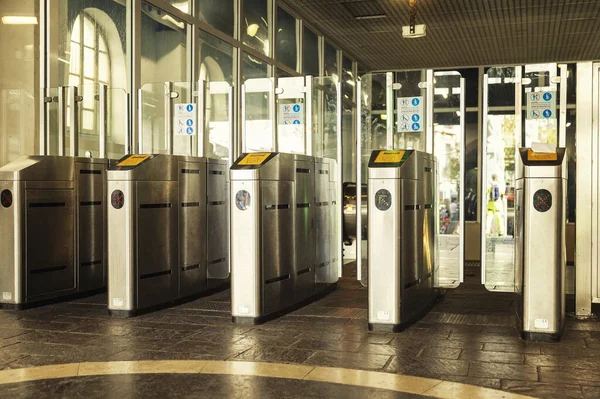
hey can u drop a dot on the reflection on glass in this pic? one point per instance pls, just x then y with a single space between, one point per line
181 5
287 43
259 121
571 165
255 25
310 53
471 146
164 52
219 14
19 95
331 62
216 68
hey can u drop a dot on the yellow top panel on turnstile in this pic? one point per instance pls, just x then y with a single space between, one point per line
541 156
256 158
390 156
133 160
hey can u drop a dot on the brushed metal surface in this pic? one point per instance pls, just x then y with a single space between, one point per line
217 209
157 244
192 227
540 256
304 239
402 242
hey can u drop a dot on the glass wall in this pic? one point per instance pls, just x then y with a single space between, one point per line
19 83
287 39
255 26
310 53
219 14
331 61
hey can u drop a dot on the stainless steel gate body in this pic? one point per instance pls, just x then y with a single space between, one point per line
53 219
166 231
402 244
540 253
282 242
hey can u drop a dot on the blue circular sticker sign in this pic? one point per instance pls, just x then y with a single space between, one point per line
547 113
189 122
415 102
547 96
416 126
416 117
189 108
296 108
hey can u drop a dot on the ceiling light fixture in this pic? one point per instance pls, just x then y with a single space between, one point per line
19 20
413 30
376 16
252 30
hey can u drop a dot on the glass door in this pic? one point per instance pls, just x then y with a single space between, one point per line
448 148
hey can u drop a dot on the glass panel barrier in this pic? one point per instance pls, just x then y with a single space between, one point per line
54 141
410 86
292 111
258 115
218 121
448 137
501 132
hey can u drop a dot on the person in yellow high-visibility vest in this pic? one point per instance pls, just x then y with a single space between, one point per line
494 207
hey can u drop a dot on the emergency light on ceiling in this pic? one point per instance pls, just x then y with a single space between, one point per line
413 30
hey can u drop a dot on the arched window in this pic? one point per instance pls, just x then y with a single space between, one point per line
89 66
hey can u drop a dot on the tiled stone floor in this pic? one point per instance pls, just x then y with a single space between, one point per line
469 337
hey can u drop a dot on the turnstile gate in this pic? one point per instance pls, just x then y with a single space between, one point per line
53 218
284 235
167 230
540 254
402 245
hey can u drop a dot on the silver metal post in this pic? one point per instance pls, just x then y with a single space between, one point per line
562 127
429 140
202 122
103 118
308 150
169 117
461 190
389 109
358 180
73 121
140 116
340 192
128 145
231 127
244 132
44 123
273 113
62 119
482 198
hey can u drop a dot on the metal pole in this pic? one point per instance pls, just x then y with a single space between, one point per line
389 109
461 190
62 119
483 187
202 123
358 180
244 140
340 193
169 117
103 118
73 121
429 140
140 127
231 126
562 129
273 113
44 128
308 150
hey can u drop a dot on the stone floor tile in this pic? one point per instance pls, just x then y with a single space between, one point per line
430 368
493 383
140 354
492 357
438 352
563 361
314 344
568 375
6 333
542 390
275 354
517 347
363 361
503 371
208 348
590 392
404 352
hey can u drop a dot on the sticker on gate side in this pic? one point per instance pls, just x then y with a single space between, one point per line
133 160
390 157
541 156
255 159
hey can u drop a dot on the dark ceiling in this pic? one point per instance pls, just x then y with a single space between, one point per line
460 33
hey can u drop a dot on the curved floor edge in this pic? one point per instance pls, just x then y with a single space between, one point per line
360 378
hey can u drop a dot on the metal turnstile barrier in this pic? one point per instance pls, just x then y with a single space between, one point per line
402 245
284 237
540 254
167 230
53 217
